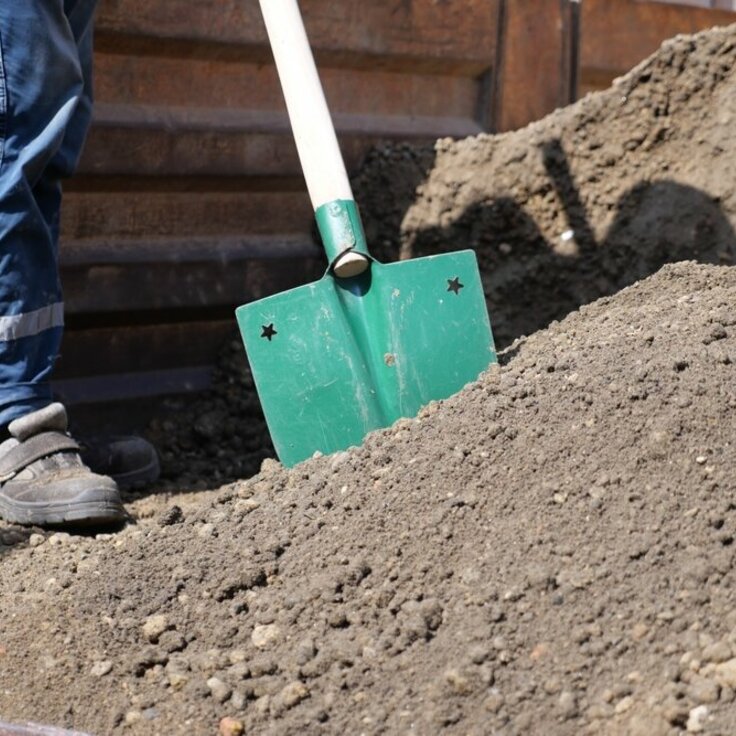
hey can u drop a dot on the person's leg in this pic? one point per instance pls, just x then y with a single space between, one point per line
44 115
45 106
62 165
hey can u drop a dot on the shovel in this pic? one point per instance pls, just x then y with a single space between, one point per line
368 343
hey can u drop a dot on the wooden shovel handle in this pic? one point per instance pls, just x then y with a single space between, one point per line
314 133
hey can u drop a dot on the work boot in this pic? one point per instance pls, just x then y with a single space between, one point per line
131 462
43 480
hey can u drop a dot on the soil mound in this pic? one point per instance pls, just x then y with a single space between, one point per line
549 552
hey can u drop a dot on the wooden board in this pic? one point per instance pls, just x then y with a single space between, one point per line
536 71
618 34
142 286
143 347
156 141
138 213
458 35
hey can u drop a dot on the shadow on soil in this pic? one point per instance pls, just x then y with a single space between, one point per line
530 282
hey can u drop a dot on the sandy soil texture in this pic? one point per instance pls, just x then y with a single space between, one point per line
549 552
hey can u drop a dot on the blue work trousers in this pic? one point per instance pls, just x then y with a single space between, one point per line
45 111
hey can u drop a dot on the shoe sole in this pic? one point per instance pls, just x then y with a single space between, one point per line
94 513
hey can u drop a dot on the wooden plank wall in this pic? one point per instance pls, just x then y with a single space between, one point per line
189 199
618 34
558 50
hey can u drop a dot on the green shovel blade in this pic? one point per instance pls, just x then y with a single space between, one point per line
339 358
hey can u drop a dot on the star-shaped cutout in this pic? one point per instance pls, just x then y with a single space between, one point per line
454 285
268 331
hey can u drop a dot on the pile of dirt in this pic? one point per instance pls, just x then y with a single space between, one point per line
550 551
572 208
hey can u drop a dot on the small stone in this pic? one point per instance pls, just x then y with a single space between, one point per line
293 694
154 626
263 705
35 540
696 719
264 635
177 680
338 459
132 717
239 671
479 654
172 641
726 674
238 700
60 538
539 652
173 515
608 696
231 727
246 505
623 705
494 702
717 652
100 669
10 537
639 631
236 656
567 705
648 724
219 690
261 666
599 712
150 714
270 466
674 711
703 690
205 531
458 683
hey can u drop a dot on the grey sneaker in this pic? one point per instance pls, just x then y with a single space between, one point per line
43 480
